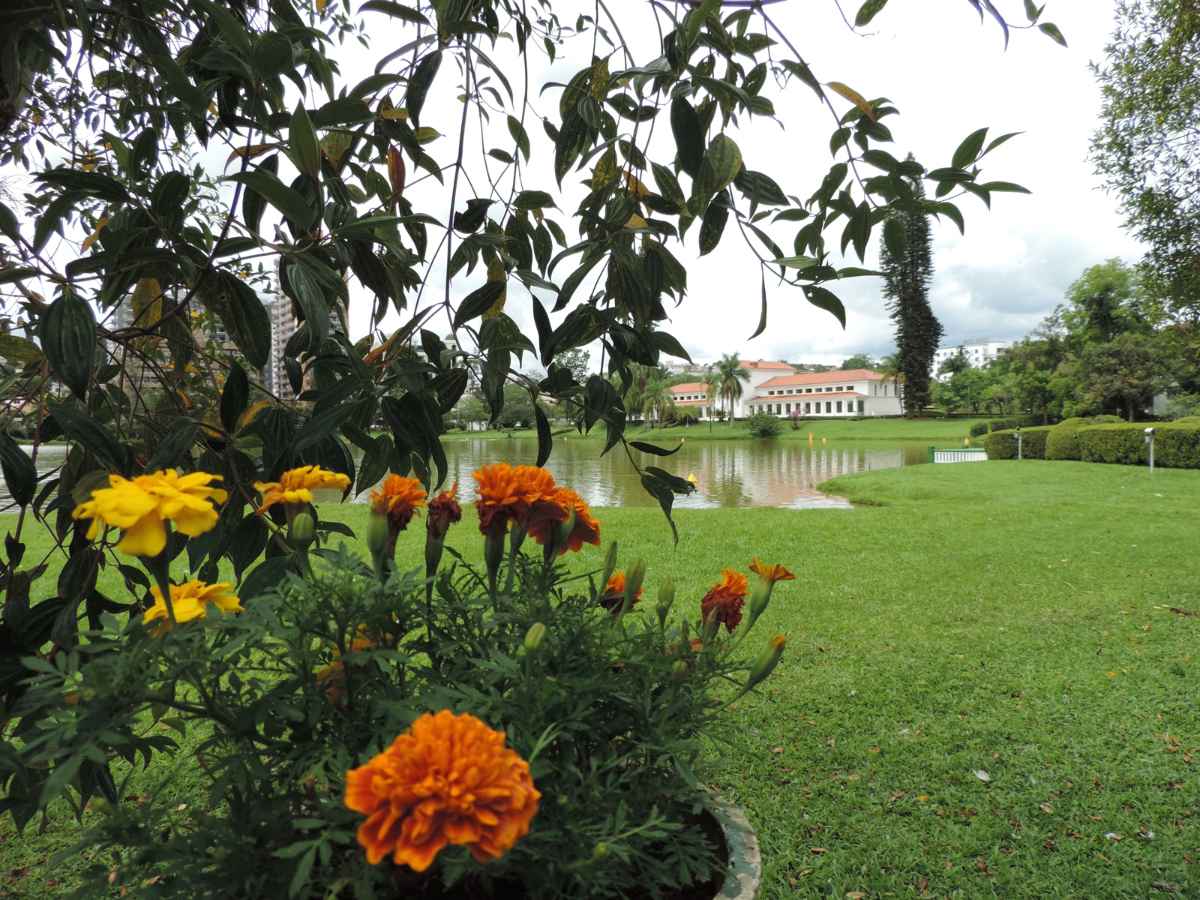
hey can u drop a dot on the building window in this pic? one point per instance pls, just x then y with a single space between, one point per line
828 407
807 408
789 409
839 406
862 407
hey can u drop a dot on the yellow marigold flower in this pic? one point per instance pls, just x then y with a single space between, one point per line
141 507
584 530
190 601
447 780
770 573
297 485
724 600
398 499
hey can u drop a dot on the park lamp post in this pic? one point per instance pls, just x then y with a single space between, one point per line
1018 442
1149 432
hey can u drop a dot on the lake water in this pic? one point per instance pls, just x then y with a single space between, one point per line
782 473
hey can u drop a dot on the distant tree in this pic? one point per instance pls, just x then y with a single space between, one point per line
1105 301
730 376
906 258
657 403
518 408
955 364
860 361
1147 148
1122 375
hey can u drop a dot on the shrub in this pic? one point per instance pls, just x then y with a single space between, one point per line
1003 444
764 425
1176 444
586 707
1063 440
980 428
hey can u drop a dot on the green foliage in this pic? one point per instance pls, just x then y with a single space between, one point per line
319 673
1176 445
1145 146
1003 444
764 425
1063 440
906 258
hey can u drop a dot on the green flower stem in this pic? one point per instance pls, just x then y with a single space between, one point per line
159 568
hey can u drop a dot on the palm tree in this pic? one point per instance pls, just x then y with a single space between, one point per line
891 369
712 388
730 375
656 400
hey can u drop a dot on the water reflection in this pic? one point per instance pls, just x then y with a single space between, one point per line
728 473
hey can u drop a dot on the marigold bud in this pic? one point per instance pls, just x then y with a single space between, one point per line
666 598
377 534
766 662
302 530
534 636
633 584
601 851
679 670
610 564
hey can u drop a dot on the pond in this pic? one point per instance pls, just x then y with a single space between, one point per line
782 473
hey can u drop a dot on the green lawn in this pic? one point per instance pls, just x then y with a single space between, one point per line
985 690
895 430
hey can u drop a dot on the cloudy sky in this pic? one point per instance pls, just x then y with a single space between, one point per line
948 74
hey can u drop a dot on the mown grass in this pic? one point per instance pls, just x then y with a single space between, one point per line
896 430
986 690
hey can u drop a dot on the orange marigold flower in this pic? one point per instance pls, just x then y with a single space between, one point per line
724 599
770 573
584 530
398 498
613 595
509 493
297 485
444 511
447 780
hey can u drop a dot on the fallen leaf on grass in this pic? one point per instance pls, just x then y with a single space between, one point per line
1167 887
1047 808
817 851
983 776
1112 836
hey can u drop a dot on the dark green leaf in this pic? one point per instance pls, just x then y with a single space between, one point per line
478 302
689 135
1004 187
302 140
268 574
419 84
713 224
826 300
291 203
20 474
309 294
342 111
395 10
248 542
868 11
762 316
545 440
248 322
968 151
534 200
721 164
235 396
79 426
1049 28
517 130
656 451
68 336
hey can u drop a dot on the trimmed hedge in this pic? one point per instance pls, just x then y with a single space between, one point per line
1063 442
1003 444
1176 444
982 428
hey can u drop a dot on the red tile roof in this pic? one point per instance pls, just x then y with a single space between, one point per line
839 376
692 387
766 364
792 398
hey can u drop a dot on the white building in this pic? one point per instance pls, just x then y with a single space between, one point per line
843 392
777 389
977 353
